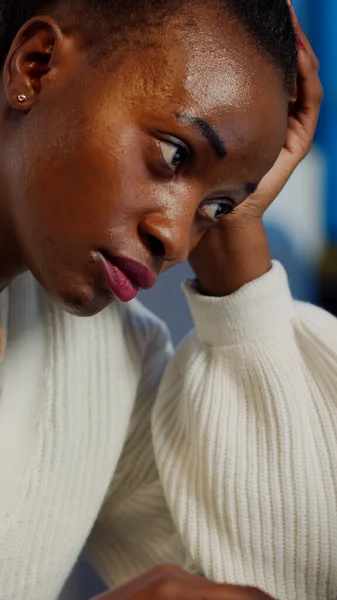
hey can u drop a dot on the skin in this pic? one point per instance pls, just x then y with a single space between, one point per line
168 582
82 165
239 246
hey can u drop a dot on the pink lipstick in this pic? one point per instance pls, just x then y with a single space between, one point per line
126 277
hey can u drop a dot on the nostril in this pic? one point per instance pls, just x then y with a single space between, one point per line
158 248
155 246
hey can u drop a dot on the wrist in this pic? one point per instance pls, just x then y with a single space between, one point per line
239 255
262 309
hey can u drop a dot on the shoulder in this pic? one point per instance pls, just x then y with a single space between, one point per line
316 327
316 317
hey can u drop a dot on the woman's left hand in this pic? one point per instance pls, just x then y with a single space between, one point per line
237 251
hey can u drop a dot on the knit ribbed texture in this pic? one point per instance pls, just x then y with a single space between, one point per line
245 434
259 309
67 391
135 531
244 431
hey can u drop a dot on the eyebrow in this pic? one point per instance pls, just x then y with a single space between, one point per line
209 133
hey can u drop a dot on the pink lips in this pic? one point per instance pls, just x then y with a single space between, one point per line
126 277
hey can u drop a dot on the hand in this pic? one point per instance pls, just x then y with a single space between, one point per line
239 246
171 583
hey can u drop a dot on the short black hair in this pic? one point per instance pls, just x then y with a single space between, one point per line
267 22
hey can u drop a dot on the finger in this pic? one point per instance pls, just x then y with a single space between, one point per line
228 592
304 44
303 39
272 183
309 94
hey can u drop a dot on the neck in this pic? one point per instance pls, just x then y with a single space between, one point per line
11 259
11 262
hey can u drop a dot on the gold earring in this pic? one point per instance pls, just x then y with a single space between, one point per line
21 98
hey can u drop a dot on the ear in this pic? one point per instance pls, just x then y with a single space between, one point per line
31 61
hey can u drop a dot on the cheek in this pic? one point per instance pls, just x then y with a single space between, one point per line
66 173
64 194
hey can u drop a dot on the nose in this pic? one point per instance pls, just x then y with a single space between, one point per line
166 238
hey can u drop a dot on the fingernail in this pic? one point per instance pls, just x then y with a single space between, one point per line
300 43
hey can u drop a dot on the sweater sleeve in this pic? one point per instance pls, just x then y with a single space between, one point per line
245 438
234 475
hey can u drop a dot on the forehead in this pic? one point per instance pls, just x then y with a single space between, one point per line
208 68
199 51
208 65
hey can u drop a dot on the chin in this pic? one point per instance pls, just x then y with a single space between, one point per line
78 288
84 301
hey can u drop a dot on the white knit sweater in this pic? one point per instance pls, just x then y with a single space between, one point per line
244 430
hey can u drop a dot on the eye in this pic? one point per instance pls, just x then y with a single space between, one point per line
173 154
216 209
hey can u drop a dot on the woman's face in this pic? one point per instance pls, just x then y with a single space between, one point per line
138 162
